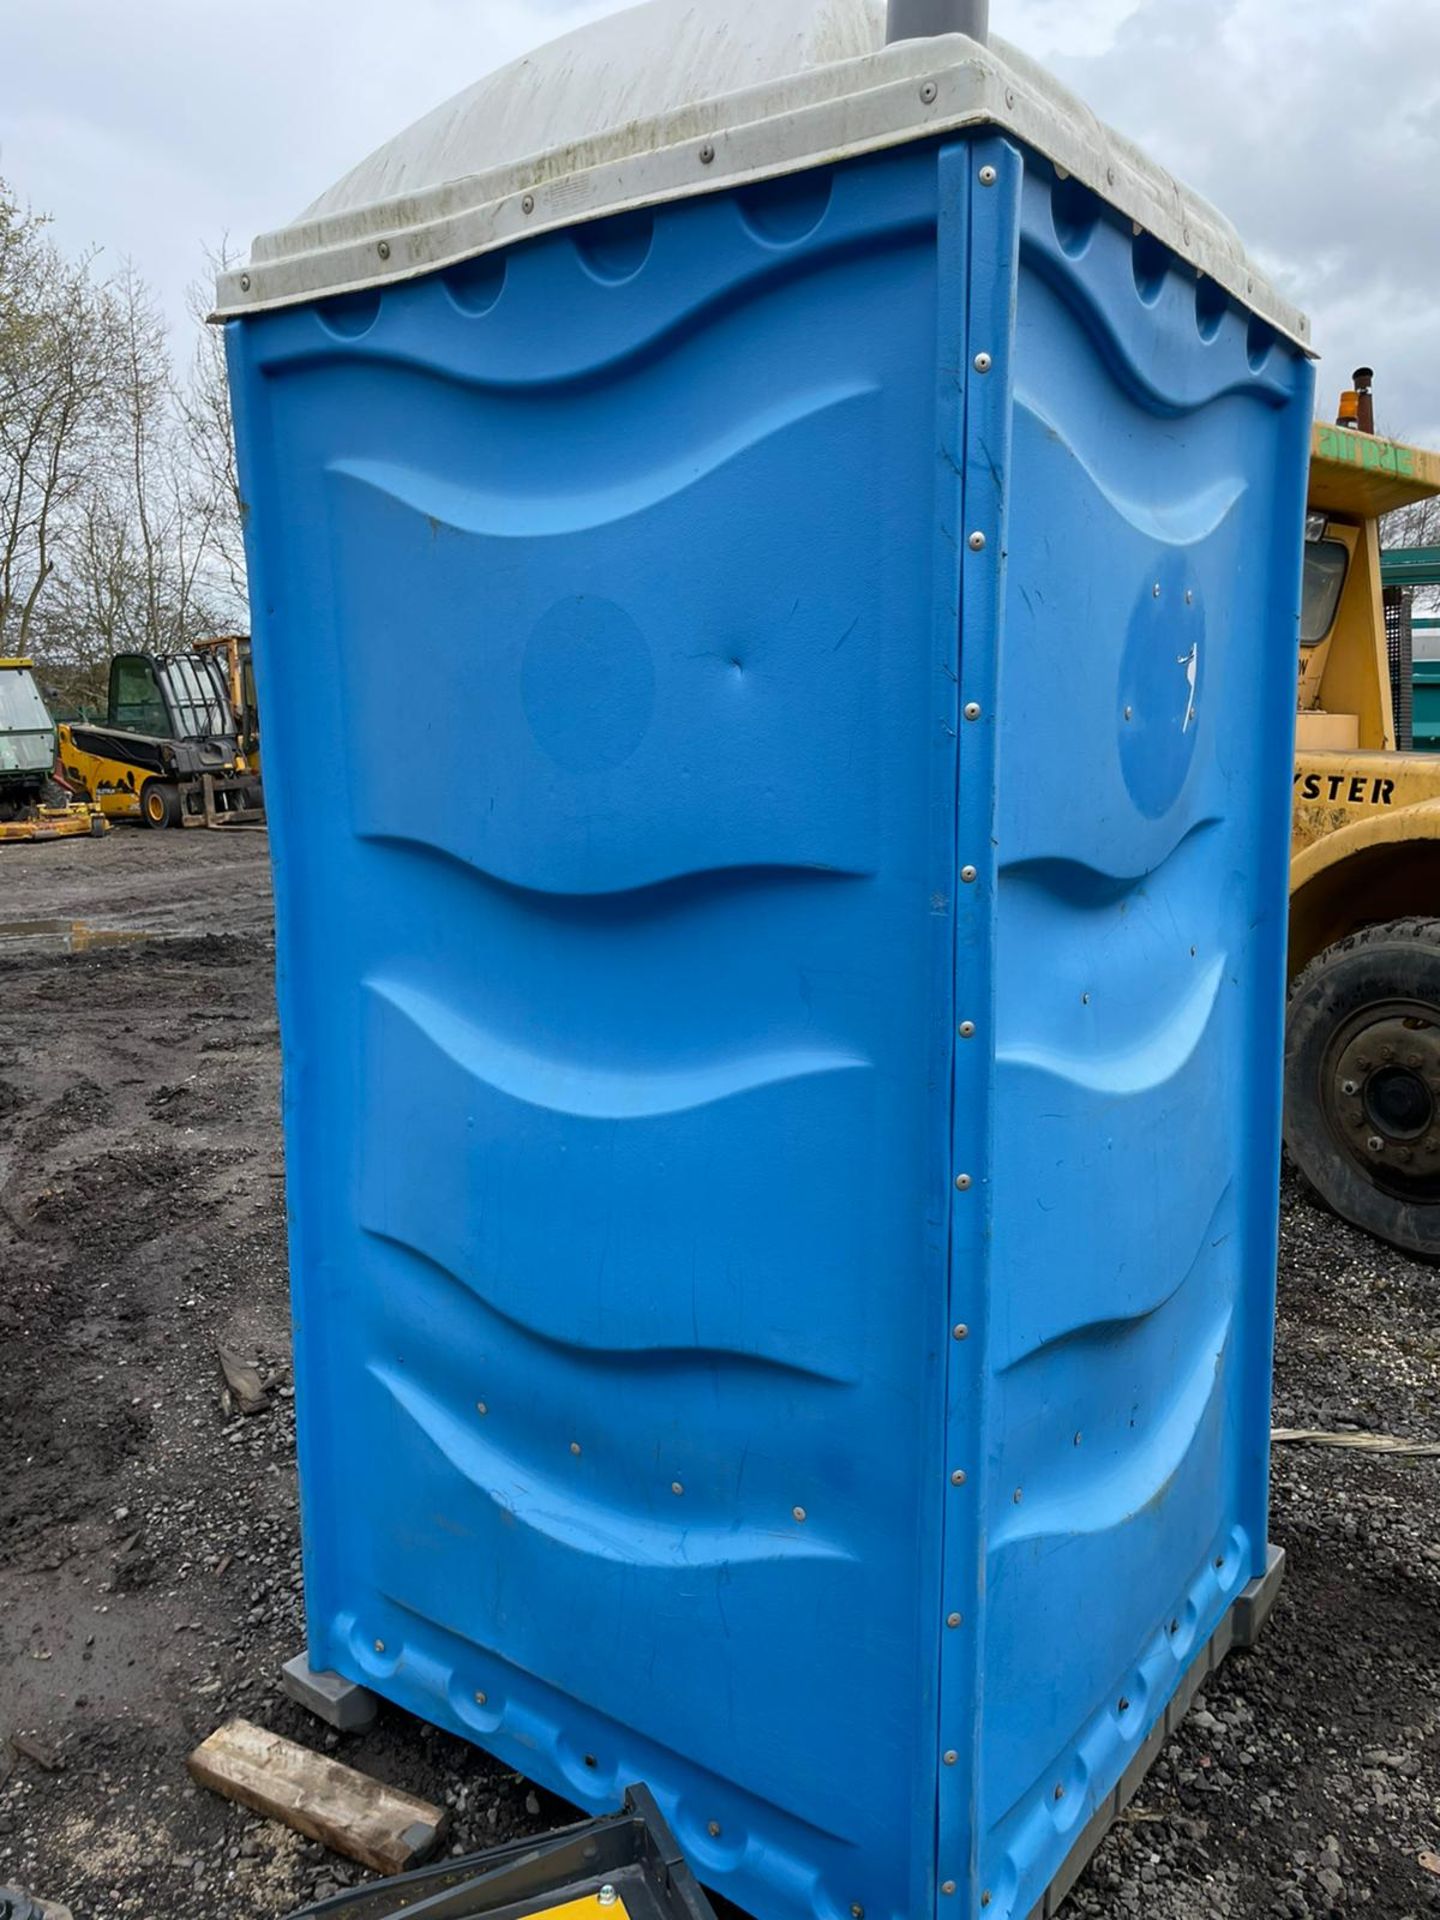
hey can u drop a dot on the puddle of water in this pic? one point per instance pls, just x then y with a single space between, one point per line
67 936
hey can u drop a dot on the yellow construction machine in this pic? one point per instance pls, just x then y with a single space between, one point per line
179 744
1362 1091
33 805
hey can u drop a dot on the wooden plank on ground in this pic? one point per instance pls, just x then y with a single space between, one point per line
342 1809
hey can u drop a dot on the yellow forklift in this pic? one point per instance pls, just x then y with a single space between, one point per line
33 805
1362 1092
179 744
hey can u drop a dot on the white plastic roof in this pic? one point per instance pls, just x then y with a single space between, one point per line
675 98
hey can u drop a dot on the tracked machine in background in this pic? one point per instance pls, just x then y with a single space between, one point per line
33 805
179 744
1363 1034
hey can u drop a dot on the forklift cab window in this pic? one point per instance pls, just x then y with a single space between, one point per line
197 697
1326 562
136 703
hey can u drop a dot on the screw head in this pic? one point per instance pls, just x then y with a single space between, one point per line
972 710
244 283
952 1620
707 154
963 1182
977 543
676 1486
799 1512
575 1446
480 1407
967 1029
957 1478
950 1756
947 1886
983 363
712 1827
606 1897
969 875
928 92
527 205
1375 1143
988 176
383 249
961 1332
480 1699
379 1646
1350 1088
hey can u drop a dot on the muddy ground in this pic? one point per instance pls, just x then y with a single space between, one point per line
149 1570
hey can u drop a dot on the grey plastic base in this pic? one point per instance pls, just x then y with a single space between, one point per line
1241 1628
339 1703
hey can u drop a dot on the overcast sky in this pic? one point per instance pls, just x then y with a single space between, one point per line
151 128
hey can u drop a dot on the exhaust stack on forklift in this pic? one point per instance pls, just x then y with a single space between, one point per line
783 1179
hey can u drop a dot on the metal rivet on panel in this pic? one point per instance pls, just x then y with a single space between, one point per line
977 543
575 1446
707 154
712 1827
983 363
379 1646
950 1756
972 710
480 1699
480 1407
1009 96
244 283
527 205
947 1886
799 1512
967 1029
928 92
957 1478
1156 590
969 875
676 1487
953 1620
606 1897
988 176
962 1332
963 1182
383 249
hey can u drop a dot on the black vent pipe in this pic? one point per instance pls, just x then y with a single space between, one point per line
919 19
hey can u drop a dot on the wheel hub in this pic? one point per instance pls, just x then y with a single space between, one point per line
1381 1089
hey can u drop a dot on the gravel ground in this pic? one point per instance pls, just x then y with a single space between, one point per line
149 1570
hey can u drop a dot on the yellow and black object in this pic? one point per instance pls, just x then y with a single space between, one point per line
623 1866
33 805
1362 1092
173 749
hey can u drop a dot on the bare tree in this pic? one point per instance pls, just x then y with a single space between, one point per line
205 409
57 334
120 518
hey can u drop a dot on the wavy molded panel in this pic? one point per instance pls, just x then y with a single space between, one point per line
699 1216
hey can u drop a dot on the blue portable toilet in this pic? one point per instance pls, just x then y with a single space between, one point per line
775 558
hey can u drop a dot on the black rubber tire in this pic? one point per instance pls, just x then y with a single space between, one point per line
1396 961
159 804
